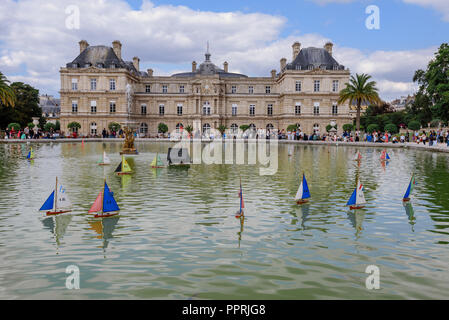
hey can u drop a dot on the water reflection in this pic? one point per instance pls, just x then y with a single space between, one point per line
410 214
242 223
104 228
57 226
356 218
302 213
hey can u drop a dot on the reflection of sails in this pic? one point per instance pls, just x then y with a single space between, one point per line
410 214
156 172
356 219
242 222
125 180
302 214
57 225
104 228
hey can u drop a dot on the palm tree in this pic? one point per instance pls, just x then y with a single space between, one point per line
7 96
222 128
189 130
359 90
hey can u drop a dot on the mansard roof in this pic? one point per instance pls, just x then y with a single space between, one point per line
314 58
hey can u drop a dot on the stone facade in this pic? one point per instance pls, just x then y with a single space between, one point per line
305 91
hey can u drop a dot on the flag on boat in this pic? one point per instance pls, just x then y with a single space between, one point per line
303 190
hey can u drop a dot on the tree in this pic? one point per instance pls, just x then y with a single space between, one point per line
114 126
222 128
49 127
391 128
74 126
244 127
30 125
372 127
189 129
414 125
58 125
358 90
14 125
348 127
292 127
7 95
162 128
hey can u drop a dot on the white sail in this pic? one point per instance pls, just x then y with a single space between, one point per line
106 159
360 197
63 200
300 192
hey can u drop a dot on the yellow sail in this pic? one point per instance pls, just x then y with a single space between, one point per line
125 165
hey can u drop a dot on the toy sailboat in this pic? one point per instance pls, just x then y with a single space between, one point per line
240 213
303 193
384 156
58 201
358 156
411 185
123 167
357 199
105 204
105 160
30 155
157 162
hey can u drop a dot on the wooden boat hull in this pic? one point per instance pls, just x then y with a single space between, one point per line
54 213
106 215
123 173
356 207
104 164
157 167
302 201
406 199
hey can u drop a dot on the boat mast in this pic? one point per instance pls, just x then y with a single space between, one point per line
102 197
56 193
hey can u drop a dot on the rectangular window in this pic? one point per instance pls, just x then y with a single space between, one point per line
74 106
334 108
147 88
252 110
74 84
179 109
316 108
112 84
298 86
234 109
335 86
181 89
164 89
234 89
112 107
93 106
250 89
93 84
298 108
143 109
316 86
161 109
270 110
267 89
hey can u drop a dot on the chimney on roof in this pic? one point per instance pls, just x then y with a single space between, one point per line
83 45
150 72
296 48
273 74
328 46
225 66
136 61
283 64
194 66
117 46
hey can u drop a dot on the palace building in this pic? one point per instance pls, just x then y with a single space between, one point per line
100 87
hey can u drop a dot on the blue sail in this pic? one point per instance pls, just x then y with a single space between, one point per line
305 188
109 203
48 205
29 155
388 157
353 198
407 193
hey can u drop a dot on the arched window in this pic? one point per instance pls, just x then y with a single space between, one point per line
252 126
143 128
93 128
270 126
298 126
179 127
206 128
234 128
316 127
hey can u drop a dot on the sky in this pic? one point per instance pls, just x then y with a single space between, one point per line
38 37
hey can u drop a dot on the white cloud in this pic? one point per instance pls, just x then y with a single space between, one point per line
34 42
442 6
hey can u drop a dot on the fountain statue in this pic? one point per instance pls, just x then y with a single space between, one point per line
128 126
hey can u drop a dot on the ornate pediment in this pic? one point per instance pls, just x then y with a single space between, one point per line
317 71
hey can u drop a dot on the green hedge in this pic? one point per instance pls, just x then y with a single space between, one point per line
372 127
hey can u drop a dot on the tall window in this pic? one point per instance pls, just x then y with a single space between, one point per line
164 89
316 86
179 109
250 89
335 86
298 86
112 107
93 84
234 109
93 106
74 106
74 84
270 110
143 128
334 108
181 89
206 108
298 108
112 84
143 109
93 128
233 89
252 110
206 128
161 109
147 88
267 89
316 108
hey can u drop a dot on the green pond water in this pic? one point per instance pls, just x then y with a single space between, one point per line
177 237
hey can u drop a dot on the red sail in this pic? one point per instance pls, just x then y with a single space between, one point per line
98 204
